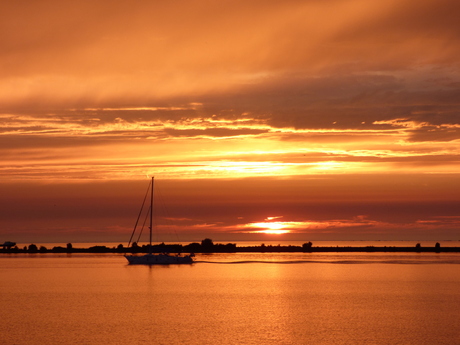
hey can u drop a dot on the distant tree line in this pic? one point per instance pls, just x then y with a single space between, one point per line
208 246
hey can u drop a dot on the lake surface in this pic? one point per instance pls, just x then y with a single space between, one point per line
243 298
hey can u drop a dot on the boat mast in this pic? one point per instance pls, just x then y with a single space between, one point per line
151 217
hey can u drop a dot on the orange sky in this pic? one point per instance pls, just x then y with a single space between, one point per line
314 119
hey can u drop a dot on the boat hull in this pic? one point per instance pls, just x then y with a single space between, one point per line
158 259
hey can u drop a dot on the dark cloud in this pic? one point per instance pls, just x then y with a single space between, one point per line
342 102
390 204
433 133
213 132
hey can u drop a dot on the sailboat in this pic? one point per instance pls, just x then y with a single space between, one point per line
160 258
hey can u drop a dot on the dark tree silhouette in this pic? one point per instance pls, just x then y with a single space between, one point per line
135 247
207 245
307 246
437 246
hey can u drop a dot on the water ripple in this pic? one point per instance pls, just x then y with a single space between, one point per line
341 262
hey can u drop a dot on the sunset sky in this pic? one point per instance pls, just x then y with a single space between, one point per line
260 120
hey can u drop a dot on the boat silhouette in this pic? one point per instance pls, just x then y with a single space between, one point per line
156 258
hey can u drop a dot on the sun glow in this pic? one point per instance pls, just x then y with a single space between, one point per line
276 228
274 232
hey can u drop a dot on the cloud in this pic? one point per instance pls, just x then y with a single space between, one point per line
215 132
355 206
433 133
110 70
246 91
99 53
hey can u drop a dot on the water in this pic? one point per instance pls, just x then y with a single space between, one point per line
243 298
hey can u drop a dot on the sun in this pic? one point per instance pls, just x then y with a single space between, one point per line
274 228
274 232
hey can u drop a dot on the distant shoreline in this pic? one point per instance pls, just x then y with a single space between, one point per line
231 248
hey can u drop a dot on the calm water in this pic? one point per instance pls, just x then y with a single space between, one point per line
291 298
